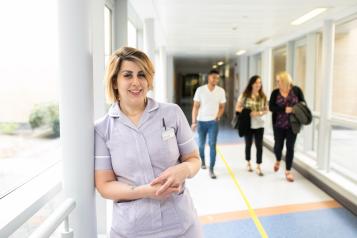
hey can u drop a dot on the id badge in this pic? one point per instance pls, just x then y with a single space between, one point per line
167 134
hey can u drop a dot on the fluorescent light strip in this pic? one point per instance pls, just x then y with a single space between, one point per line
308 16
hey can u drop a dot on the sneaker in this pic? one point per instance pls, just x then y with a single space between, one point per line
203 166
211 174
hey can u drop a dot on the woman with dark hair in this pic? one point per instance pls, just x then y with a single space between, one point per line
254 99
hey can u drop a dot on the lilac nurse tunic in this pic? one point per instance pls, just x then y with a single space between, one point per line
137 155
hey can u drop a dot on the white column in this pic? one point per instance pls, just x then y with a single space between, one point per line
160 87
267 83
76 112
149 38
149 44
170 79
267 70
310 79
140 38
98 91
236 79
120 24
98 58
328 44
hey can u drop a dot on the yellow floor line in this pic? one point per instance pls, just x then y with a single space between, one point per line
250 209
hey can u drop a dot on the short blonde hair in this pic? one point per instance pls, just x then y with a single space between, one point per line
114 65
285 78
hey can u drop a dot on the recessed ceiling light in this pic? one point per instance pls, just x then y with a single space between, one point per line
220 63
240 52
214 66
308 16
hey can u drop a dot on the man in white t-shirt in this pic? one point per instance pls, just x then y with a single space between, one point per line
208 108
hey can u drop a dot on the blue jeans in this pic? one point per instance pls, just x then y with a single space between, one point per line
210 127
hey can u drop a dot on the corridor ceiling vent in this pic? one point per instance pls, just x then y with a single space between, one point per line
308 16
240 52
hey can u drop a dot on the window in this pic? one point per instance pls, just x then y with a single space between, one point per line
318 72
29 92
343 150
300 66
344 100
132 35
258 58
344 89
279 63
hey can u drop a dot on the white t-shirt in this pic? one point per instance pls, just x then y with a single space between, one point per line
209 102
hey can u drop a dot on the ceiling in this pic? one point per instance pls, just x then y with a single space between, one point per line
219 28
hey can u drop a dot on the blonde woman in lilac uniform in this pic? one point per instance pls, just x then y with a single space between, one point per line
144 152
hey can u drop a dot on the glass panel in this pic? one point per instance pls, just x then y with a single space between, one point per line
259 64
132 35
318 72
29 92
300 67
344 90
344 149
279 62
26 229
315 124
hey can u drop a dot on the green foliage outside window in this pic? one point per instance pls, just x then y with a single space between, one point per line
8 128
46 115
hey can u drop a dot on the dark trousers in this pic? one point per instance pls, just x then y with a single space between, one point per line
258 140
279 136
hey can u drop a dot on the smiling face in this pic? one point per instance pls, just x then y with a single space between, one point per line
257 85
213 79
132 84
281 84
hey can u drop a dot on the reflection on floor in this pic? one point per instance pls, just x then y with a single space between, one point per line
284 209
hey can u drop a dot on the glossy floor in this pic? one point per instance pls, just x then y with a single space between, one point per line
282 208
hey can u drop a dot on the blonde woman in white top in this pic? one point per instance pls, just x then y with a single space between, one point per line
254 99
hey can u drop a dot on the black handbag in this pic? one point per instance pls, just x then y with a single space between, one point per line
235 120
244 122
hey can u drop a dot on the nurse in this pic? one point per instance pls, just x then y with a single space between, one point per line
144 152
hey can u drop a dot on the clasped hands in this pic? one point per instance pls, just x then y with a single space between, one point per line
168 182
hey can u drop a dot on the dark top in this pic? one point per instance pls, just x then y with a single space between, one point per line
277 104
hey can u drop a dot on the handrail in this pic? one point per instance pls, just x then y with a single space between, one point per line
53 221
340 120
30 206
344 121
